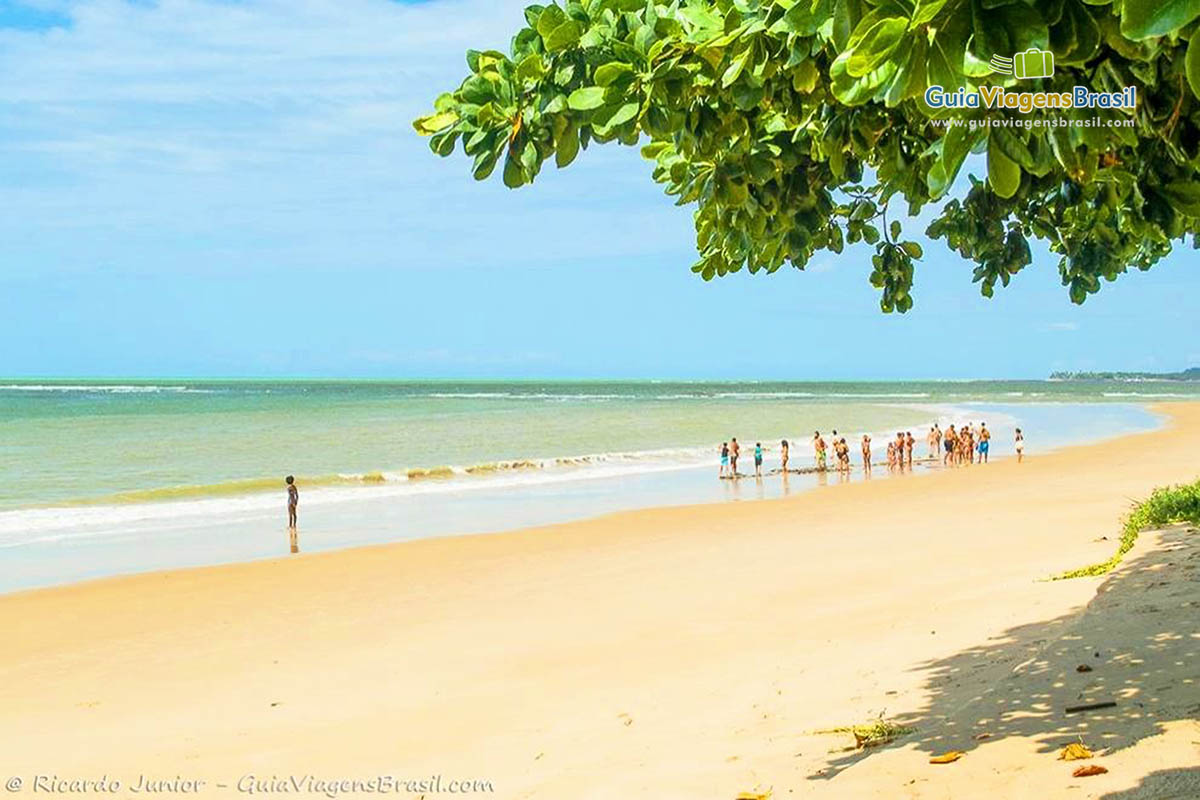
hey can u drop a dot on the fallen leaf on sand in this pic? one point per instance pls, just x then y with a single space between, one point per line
1083 668
1090 769
979 737
1074 752
755 795
946 758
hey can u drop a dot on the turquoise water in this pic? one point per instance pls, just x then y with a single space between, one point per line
145 474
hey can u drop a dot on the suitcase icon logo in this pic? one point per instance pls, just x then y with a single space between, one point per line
1033 63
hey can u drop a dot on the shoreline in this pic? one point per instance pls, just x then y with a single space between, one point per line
684 652
152 537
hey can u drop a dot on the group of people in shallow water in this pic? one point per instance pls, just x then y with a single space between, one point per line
965 444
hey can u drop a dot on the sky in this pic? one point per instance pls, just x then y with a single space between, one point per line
234 188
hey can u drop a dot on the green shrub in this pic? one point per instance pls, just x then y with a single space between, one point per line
1163 507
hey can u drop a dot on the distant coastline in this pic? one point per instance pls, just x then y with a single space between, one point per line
1191 374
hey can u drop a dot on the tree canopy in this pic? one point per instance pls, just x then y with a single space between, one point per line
793 125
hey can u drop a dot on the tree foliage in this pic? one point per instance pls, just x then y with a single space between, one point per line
793 125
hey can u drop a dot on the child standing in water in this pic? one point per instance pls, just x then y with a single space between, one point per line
724 459
758 459
293 495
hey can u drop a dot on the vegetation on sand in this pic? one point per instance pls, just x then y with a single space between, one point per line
1163 507
873 734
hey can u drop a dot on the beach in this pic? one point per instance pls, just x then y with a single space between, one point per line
681 652
104 478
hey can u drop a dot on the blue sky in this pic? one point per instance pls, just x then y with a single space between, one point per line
208 187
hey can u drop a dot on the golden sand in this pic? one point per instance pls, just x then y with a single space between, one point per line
665 653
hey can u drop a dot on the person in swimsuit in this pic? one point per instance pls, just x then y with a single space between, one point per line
783 449
866 451
724 459
909 441
734 450
819 448
984 437
948 444
1020 444
293 495
758 459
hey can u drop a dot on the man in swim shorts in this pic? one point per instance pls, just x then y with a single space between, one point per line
734 450
758 459
724 459
984 437
819 447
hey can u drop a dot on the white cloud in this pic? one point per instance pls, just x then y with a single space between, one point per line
279 131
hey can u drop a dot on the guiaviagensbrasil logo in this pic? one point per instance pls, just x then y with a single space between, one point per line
1033 63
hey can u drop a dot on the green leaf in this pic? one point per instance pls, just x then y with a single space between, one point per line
876 45
531 68
443 143
622 115
611 72
926 11
427 126
564 36
1192 64
1143 19
514 175
734 70
1013 147
804 18
805 77
936 180
586 99
551 17
566 145
478 90
910 77
1003 173
844 19
485 162
944 68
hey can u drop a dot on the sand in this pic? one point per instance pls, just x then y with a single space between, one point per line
665 653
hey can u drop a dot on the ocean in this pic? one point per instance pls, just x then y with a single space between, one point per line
106 477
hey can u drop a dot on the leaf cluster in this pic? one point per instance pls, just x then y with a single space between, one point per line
791 126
